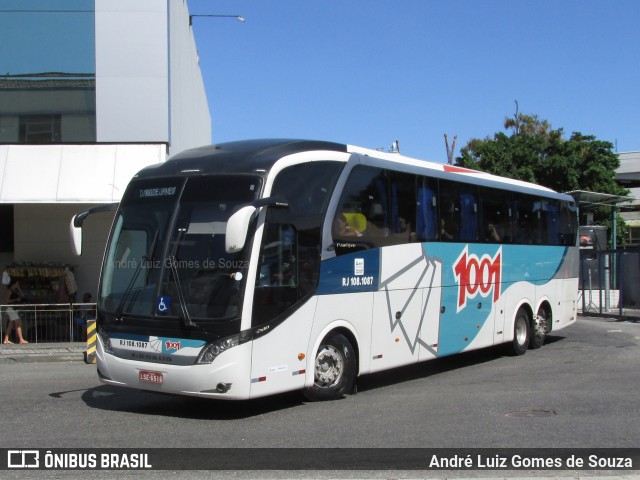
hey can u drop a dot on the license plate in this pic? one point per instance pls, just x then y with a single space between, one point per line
150 377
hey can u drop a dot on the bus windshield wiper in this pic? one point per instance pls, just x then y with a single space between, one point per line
185 317
144 260
119 309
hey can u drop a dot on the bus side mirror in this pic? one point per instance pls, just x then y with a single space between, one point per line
237 229
75 232
75 226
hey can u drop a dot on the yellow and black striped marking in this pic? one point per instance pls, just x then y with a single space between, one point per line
90 356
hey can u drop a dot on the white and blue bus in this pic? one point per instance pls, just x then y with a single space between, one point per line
249 268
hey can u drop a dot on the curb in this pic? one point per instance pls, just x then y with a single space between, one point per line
41 353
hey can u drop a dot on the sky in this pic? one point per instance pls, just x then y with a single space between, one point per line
370 72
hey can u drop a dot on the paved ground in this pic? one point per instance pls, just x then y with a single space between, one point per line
75 352
43 352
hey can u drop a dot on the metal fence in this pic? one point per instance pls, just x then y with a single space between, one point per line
610 283
48 323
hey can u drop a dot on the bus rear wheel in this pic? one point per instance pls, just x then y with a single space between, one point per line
334 369
540 328
521 333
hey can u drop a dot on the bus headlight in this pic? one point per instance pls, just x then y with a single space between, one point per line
210 352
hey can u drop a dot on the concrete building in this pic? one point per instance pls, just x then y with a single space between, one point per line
91 91
628 175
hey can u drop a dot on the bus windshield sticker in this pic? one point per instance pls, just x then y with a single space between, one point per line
157 192
163 304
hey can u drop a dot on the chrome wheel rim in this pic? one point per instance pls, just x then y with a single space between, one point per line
329 366
540 328
521 331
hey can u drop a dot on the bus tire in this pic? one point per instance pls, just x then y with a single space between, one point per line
540 327
334 369
521 333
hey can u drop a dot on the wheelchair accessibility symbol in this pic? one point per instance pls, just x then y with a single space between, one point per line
163 304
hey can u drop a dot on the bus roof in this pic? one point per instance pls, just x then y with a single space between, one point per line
452 172
259 156
247 156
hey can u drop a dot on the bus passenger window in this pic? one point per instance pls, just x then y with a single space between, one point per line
449 218
349 225
362 215
568 227
495 216
402 207
527 220
427 213
468 217
550 222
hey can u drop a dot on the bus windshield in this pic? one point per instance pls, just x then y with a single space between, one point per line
167 258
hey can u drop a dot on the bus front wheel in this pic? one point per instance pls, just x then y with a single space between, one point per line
521 333
334 369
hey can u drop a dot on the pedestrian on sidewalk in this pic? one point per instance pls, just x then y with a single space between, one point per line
82 315
14 321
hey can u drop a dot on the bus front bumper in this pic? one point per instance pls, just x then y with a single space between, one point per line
227 378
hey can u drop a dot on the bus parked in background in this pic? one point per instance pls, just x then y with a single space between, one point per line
249 268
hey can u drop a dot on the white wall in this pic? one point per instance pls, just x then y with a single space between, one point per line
149 86
190 116
132 71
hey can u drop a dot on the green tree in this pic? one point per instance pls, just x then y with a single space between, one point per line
531 150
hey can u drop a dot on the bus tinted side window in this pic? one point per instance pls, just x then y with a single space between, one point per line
402 206
362 213
427 228
290 251
377 208
495 216
380 208
550 222
527 219
568 224
449 213
458 212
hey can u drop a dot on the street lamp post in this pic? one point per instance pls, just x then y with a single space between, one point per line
239 18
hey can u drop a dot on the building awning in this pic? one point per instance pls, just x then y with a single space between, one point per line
96 173
583 197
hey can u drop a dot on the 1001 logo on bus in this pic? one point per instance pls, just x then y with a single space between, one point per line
477 276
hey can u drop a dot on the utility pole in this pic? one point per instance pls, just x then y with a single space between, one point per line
450 151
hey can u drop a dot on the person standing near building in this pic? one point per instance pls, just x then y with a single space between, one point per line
14 322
